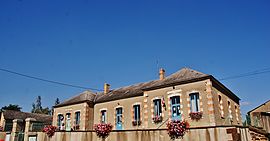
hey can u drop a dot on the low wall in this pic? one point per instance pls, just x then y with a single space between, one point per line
198 134
232 133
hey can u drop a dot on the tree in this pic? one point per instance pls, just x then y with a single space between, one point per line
57 101
37 107
12 107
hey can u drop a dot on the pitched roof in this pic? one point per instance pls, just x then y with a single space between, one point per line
259 106
11 115
86 96
183 75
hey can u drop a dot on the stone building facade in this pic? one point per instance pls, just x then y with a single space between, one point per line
149 105
260 116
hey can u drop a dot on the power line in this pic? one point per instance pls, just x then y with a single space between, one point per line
49 81
256 72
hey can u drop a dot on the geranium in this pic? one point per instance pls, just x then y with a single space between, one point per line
157 119
177 129
49 130
136 122
103 129
1 129
195 115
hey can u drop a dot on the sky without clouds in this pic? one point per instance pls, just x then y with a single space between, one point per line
88 43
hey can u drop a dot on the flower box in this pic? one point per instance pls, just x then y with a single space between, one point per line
49 130
136 123
157 119
103 129
195 115
177 129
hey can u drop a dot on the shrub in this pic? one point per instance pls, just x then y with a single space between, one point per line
177 129
49 130
102 129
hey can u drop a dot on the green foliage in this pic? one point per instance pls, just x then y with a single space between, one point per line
37 107
12 107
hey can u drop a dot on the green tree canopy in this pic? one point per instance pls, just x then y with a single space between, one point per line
12 107
37 107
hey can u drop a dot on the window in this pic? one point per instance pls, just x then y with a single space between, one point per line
175 106
136 112
68 122
103 116
220 106
77 118
119 112
230 111
194 102
60 119
157 107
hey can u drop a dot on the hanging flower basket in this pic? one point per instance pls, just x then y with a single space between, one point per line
136 123
49 130
177 129
103 130
157 119
195 115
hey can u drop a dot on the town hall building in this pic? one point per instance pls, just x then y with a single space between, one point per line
187 95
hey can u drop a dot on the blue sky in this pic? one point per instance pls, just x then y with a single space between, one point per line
88 43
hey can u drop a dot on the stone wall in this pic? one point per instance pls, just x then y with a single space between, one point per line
233 133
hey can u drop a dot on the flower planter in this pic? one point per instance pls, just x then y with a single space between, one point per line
136 123
157 119
103 130
177 129
49 130
195 115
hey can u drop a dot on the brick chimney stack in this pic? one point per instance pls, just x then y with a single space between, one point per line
161 74
106 88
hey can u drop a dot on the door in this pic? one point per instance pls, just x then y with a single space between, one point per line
175 108
119 118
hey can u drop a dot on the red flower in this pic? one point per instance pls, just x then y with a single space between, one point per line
49 130
103 129
157 119
195 115
177 129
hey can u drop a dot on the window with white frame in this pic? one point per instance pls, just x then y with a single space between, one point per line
60 119
136 109
157 107
103 116
175 107
194 102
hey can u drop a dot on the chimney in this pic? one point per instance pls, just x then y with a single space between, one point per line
161 74
106 88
